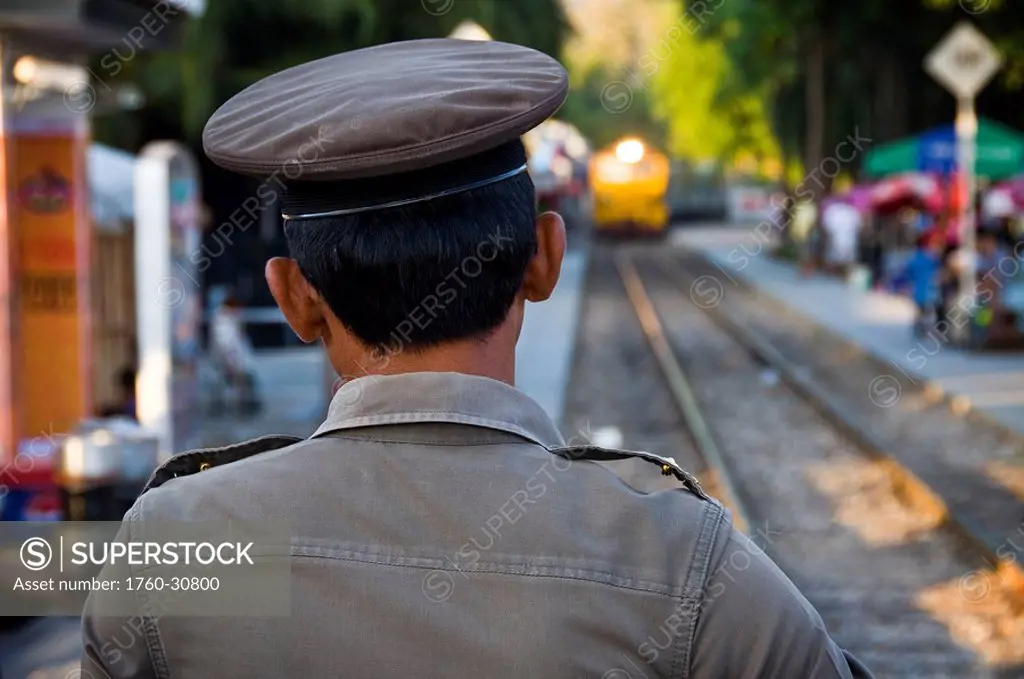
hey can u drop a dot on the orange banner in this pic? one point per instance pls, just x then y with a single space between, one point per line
52 282
10 412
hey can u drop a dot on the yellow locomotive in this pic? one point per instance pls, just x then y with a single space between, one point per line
629 185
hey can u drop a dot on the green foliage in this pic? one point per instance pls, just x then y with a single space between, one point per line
667 88
237 42
704 79
605 107
689 77
873 53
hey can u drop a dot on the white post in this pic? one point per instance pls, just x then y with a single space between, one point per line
966 137
153 320
167 304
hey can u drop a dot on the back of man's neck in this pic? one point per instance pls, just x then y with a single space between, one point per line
484 359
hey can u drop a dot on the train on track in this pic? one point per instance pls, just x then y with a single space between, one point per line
629 183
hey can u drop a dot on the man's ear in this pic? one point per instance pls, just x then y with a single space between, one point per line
296 298
545 267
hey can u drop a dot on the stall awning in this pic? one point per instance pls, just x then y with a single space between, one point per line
1000 153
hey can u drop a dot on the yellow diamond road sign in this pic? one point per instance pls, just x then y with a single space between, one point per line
964 61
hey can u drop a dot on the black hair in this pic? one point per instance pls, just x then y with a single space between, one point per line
419 275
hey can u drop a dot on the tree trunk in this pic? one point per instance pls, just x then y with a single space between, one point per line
815 184
899 100
814 143
890 97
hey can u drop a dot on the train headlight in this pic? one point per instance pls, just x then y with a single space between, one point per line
630 151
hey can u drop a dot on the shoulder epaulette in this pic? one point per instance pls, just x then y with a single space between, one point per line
195 461
669 467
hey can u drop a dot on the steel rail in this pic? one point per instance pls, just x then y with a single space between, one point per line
703 436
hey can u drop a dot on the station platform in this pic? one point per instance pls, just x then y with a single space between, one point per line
544 353
991 384
290 380
292 386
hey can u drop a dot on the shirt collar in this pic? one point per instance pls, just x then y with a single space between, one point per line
453 398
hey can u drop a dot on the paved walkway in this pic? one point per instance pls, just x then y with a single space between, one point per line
544 354
293 387
990 383
291 381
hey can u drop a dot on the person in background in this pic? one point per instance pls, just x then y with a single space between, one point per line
923 222
843 223
805 227
125 406
874 237
232 353
1007 235
990 276
988 282
947 239
923 270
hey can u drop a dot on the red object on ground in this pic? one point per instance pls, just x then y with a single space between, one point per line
27 475
32 468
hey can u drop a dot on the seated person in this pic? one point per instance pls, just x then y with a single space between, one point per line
125 406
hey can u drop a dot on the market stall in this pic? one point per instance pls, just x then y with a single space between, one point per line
50 251
1000 153
917 190
1002 214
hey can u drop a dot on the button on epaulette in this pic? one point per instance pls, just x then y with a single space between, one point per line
669 467
195 461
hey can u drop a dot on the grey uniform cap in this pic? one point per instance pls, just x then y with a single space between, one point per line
395 124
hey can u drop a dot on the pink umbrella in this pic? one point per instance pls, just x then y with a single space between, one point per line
1015 188
896 192
858 197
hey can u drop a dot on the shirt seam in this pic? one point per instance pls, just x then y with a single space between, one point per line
696 582
429 416
150 626
435 442
433 564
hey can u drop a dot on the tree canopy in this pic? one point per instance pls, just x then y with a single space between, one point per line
832 69
237 42
781 82
762 84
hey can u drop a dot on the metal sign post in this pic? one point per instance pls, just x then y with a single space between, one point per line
964 62
966 153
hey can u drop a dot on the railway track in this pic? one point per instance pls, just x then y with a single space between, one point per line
896 580
974 465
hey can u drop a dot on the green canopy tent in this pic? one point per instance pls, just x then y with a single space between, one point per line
1000 153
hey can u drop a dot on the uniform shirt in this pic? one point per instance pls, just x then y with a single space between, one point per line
436 535
993 264
923 271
